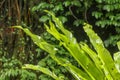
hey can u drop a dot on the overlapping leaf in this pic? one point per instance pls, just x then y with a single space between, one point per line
70 43
108 64
78 74
97 65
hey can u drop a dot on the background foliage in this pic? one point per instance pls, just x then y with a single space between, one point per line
16 48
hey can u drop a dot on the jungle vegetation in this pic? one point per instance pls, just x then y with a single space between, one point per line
19 51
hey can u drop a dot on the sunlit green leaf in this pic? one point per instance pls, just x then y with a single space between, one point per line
118 44
93 63
117 60
104 55
44 70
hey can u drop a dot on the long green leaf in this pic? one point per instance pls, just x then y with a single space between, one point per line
78 72
92 63
39 68
92 54
52 50
118 44
70 43
108 64
117 60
